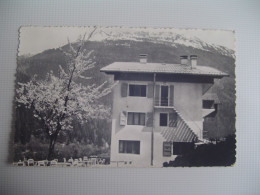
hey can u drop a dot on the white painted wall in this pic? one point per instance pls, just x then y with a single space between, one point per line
187 100
130 132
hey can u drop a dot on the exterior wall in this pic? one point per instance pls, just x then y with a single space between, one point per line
187 100
135 133
159 159
130 132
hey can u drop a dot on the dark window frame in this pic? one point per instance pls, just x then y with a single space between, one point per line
133 116
164 100
129 146
163 120
137 90
207 104
173 119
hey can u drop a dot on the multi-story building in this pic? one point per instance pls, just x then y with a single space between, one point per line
157 109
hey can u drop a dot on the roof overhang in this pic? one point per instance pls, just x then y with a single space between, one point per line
158 68
164 73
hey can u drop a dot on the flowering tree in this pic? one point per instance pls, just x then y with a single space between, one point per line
59 99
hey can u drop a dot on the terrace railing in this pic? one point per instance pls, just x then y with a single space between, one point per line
163 103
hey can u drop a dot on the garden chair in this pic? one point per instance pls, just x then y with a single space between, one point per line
30 162
20 163
41 163
53 163
70 160
75 163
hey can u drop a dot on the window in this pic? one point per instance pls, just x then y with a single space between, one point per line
163 119
207 104
137 90
136 118
180 148
164 95
173 119
129 147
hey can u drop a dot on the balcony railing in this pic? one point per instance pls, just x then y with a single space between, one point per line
163 103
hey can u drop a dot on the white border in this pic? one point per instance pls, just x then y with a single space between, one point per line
241 16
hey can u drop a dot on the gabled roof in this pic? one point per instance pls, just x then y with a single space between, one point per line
137 67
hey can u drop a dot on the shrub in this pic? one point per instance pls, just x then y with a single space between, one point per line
220 154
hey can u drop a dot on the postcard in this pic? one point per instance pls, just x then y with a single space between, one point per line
124 97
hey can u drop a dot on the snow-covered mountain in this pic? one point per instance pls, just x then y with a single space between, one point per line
169 36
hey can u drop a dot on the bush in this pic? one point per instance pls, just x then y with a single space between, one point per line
219 154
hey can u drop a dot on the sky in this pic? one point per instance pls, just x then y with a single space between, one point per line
34 39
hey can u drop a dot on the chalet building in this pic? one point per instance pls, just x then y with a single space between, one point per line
158 109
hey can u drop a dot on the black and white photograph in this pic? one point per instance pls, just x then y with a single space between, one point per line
124 97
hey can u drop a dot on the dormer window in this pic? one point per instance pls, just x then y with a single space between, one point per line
137 90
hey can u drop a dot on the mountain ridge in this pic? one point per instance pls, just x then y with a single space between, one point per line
172 37
157 36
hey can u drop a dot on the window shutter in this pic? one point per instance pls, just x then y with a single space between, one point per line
171 95
123 118
150 91
149 121
157 95
167 148
124 87
173 119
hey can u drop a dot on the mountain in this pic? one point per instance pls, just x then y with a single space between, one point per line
109 47
164 36
212 41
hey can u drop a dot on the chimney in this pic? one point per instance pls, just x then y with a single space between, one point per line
193 61
143 58
184 60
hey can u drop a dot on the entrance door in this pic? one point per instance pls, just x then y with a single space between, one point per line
164 95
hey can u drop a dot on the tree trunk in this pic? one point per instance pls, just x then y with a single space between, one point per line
53 138
51 147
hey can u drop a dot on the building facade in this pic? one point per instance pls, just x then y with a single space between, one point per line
157 109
